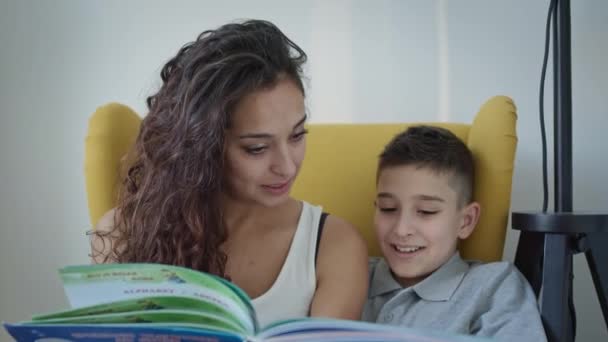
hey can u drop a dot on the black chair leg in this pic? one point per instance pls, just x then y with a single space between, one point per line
529 258
597 258
556 285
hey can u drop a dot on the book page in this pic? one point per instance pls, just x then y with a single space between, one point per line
115 282
148 304
117 333
200 320
319 329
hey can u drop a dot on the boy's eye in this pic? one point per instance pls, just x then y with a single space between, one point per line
387 209
298 136
256 149
427 212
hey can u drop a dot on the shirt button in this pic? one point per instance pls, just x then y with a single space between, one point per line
388 318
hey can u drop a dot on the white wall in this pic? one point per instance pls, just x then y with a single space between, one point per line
370 61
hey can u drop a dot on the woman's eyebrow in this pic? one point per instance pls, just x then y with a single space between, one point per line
267 135
299 123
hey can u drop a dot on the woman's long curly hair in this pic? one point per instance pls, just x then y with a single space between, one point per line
168 207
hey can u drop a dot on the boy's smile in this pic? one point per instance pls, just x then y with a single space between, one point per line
419 220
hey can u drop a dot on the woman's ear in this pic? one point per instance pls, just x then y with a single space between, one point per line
470 217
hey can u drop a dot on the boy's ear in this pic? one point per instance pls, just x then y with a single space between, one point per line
470 216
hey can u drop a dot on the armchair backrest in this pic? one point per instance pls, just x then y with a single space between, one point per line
339 170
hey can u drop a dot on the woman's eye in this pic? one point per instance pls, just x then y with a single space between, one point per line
387 209
298 136
255 149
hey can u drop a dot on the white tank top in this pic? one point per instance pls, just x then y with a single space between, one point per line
291 294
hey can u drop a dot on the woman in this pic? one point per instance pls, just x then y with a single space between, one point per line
207 185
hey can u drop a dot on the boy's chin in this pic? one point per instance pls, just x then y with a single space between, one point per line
404 269
408 278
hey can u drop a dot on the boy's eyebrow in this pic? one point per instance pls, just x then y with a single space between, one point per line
385 195
266 135
418 197
429 198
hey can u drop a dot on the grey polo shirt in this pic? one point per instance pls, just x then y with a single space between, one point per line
462 297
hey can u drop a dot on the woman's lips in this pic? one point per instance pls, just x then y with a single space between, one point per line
277 188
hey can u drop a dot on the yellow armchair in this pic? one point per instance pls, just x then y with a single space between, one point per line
340 168
339 172
112 131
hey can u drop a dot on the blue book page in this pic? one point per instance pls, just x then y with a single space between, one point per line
115 333
305 330
332 330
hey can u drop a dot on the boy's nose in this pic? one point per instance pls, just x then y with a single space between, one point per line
404 227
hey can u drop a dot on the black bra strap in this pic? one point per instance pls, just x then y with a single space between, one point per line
320 231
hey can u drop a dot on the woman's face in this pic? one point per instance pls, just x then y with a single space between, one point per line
265 144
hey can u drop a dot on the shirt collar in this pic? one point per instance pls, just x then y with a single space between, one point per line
439 286
382 280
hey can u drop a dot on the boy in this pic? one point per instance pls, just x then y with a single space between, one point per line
424 206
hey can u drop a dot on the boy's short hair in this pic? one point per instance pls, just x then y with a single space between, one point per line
434 148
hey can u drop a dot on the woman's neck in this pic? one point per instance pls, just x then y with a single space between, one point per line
240 215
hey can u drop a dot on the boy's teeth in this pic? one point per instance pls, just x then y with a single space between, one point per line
407 249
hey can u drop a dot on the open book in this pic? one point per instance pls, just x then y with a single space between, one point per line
153 303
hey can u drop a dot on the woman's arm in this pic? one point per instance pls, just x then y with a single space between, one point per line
342 265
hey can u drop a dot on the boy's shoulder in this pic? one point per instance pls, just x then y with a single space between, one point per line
495 268
498 276
465 275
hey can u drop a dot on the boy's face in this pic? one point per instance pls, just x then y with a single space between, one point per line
418 220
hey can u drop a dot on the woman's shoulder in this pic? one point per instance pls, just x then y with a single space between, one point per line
342 271
335 227
342 228
102 238
107 222
340 234
337 234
